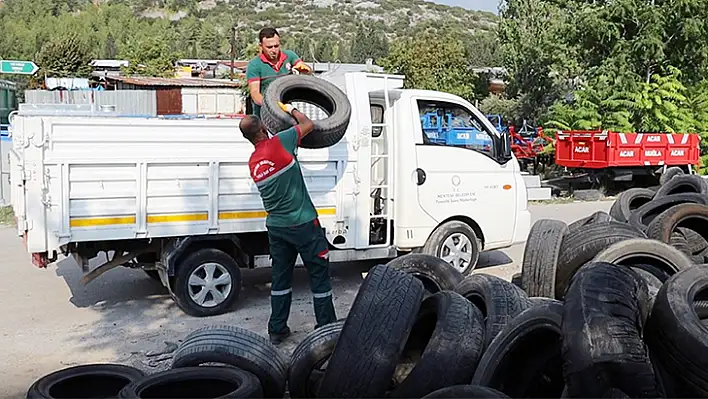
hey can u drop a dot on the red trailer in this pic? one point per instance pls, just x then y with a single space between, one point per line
621 156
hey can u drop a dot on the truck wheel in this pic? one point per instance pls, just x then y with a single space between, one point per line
456 243
207 283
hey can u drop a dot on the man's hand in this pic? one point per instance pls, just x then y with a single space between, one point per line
303 68
286 107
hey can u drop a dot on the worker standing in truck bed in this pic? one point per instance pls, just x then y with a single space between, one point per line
268 65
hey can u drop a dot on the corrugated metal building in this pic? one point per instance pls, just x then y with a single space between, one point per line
191 96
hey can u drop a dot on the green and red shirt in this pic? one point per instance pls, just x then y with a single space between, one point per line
275 170
262 69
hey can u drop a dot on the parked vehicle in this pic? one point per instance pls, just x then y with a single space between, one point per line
174 197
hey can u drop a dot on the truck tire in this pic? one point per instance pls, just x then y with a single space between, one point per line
677 337
603 314
498 300
309 356
373 336
196 382
580 246
696 243
449 338
238 347
670 174
647 212
628 201
538 268
327 132
691 216
86 381
216 273
643 251
596 217
435 274
683 184
524 360
466 392
456 243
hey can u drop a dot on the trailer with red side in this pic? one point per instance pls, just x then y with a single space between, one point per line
621 157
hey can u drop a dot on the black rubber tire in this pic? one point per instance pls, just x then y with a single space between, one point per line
327 132
679 241
580 246
374 335
153 274
196 382
538 268
701 308
653 283
466 392
516 279
524 360
642 251
628 201
311 353
670 174
683 184
599 216
85 381
645 214
449 336
435 274
433 246
676 336
238 347
497 299
604 310
185 267
696 243
690 216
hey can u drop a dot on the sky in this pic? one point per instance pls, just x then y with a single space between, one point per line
485 5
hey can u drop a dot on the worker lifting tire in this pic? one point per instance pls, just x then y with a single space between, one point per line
301 88
207 283
456 243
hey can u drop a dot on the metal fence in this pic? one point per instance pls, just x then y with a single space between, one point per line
127 102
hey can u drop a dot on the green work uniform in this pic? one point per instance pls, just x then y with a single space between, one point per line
262 69
293 228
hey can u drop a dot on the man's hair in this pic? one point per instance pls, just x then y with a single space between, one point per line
267 33
250 127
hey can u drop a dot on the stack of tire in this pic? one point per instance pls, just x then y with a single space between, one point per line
634 285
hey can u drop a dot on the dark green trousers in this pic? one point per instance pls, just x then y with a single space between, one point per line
286 243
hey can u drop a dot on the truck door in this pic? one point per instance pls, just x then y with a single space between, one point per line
458 173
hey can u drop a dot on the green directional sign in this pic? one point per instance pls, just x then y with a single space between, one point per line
18 67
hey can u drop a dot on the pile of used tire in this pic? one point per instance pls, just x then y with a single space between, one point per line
612 305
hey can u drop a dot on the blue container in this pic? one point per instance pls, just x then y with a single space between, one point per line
446 134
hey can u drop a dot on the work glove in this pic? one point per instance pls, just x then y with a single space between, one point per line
286 107
303 68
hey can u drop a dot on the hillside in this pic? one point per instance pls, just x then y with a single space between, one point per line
337 17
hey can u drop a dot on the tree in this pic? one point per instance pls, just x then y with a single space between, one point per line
368 43
433 62
150 56
65 56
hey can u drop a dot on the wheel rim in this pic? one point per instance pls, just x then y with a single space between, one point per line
457 251
209 285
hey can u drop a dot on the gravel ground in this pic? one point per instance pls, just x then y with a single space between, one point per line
125 317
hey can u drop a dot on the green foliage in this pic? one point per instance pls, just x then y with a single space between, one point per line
65 56
432 62
498 105
149 56
661 105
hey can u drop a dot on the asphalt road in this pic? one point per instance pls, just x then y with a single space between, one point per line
49 321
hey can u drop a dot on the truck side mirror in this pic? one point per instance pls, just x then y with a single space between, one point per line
505 153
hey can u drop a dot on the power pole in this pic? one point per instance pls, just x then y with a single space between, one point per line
233 50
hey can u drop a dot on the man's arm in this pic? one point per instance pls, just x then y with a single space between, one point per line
254 84
304 124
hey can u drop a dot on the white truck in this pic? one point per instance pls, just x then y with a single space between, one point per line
174 197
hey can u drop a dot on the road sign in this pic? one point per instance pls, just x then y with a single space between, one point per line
18 67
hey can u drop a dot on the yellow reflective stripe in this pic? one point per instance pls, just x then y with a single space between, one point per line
184 217
87 222
175 218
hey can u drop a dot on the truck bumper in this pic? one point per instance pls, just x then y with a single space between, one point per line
522 228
